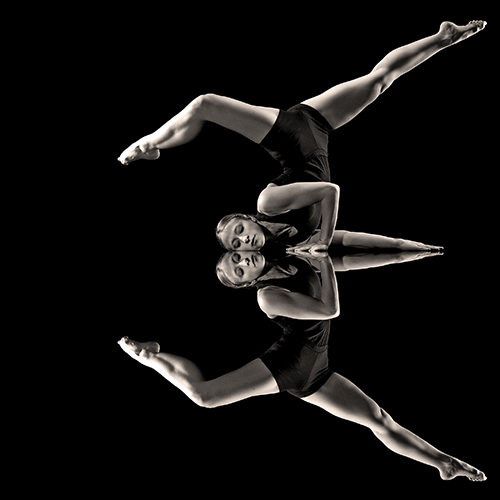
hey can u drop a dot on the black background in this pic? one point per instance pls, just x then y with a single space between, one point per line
414 164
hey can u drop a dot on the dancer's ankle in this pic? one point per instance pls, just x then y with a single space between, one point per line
145 145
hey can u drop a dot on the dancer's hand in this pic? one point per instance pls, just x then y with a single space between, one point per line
414 246
316 250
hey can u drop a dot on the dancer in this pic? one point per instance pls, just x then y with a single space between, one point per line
298 138
336 395
297 363
251 268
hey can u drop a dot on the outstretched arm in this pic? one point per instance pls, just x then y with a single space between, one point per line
253 122
253 379
370 260
364 241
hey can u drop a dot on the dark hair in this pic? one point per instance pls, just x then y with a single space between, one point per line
225 221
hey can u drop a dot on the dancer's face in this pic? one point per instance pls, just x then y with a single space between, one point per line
243 267
242 235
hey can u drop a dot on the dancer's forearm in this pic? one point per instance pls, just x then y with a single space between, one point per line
369 261
372 241
329 288
365 240
329 213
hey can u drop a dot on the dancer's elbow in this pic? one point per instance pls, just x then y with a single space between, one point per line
332 311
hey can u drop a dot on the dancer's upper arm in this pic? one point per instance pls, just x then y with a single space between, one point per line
275 200
277 301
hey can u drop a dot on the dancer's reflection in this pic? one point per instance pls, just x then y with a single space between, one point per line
237 277
298 362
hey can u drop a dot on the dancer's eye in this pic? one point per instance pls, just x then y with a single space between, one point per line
239 272
236 258
239 229
236 244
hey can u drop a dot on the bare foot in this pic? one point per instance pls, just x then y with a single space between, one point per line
140 351
138 152
458 468
456 34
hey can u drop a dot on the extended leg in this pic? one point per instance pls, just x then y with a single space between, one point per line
253 122
342 103
253 379
342 398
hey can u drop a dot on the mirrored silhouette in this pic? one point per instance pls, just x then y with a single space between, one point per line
295 224
300 294
241 269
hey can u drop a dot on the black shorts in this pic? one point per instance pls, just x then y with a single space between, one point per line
299 141
299 360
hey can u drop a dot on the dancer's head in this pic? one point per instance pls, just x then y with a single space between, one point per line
240 269
240 232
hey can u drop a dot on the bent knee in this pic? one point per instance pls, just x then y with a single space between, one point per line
383 78
204 103
382 422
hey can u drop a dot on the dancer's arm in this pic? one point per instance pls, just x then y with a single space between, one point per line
276 200
370 260
364 241
277 301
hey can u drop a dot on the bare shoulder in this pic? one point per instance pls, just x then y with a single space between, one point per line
269 297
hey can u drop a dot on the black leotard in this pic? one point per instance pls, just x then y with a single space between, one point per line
299 359
299 141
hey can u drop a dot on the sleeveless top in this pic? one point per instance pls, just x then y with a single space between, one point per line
298 140
299 359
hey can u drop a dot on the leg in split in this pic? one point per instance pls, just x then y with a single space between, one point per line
342 398
339 105
342 103
252 122
253 379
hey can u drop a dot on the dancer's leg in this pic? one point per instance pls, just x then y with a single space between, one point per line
342 103
342 398
253 122
253 379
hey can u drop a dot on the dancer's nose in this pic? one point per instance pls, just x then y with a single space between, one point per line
245 261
